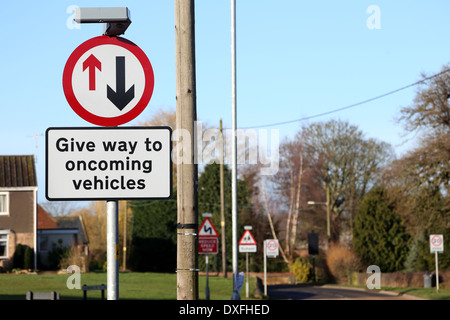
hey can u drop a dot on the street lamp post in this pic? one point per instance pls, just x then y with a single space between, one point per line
327 203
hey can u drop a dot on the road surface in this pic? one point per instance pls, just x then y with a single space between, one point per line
310 292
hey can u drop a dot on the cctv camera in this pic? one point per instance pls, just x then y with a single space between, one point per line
116 20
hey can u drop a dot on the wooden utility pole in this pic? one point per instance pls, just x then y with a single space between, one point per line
187 170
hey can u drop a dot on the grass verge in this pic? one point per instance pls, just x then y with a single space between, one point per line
425 293
132 286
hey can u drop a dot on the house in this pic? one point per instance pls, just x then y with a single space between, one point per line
45 220
23 221
63 232
18 206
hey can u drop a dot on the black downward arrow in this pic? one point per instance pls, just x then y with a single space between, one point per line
120 98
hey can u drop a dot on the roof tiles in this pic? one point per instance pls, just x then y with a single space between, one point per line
17 171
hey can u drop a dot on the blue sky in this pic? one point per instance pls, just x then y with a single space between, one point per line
295 59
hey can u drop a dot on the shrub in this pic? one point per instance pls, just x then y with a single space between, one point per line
18 257
23 257
379 235
56 254
301 268
342 262
97 259
28 259
75 256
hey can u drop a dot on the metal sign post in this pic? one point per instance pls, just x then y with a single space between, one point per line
246 270
271 251
437 246
265 269
207 278
437 272
112 246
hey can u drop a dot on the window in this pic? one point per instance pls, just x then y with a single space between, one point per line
4 203
3 245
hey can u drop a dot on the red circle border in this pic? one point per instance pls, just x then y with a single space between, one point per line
108 121
440 240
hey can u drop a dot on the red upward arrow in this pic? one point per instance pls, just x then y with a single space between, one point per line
92 62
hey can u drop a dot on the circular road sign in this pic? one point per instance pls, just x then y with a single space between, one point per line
271 248
108 81
272 245
436 240
436 243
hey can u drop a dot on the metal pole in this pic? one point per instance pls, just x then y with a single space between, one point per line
187 169
222 206
246 284
124 261
234 217
328 216
314 267
437 273
207 278
265 269
112 246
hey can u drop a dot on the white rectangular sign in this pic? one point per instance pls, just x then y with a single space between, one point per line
105 163
250 248
436 243
271 247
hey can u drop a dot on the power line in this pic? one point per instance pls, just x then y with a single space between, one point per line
349 106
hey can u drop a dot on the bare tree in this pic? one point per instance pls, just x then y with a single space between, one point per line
430 107
94 217
271 224
162 117
350 165
290 188
429 114
423 173
58 208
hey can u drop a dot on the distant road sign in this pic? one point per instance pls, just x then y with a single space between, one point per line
108 81
436 243
207 229
108 163
208 245
247 243
208 242
271 248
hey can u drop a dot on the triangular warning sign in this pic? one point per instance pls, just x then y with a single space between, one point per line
207 229
247 239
